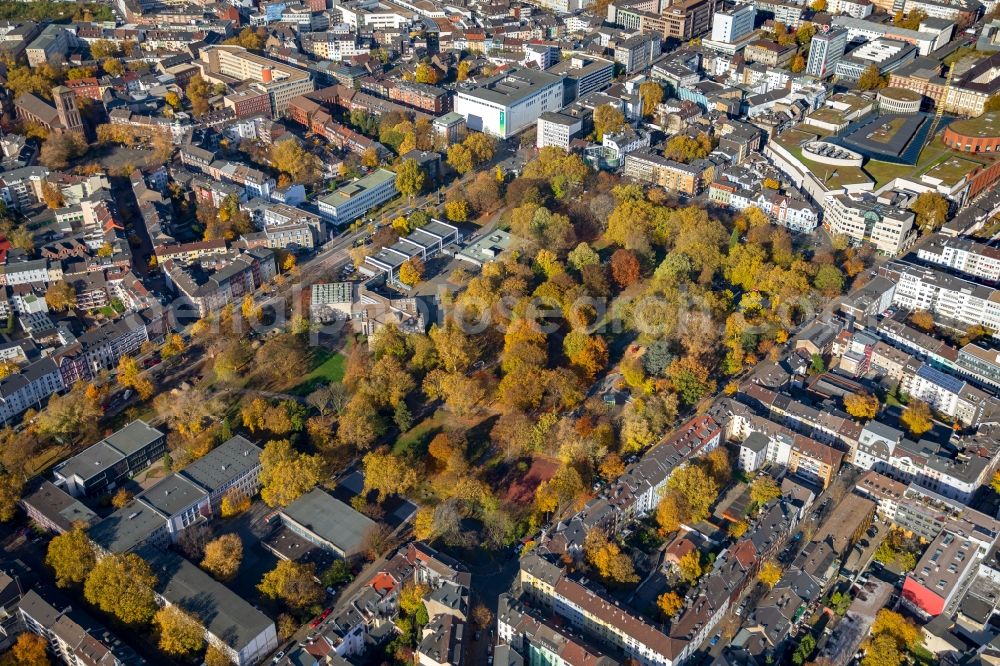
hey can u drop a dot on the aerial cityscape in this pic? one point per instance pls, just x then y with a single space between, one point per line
500 332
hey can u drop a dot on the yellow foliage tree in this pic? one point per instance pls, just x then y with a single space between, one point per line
606 557
689 567
122 585
770 573
411 271
223 556
861 405
917 418
669 603
179 632
286 474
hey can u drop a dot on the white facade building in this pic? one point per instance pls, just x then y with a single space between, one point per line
508 104
353 200
556 129
734 24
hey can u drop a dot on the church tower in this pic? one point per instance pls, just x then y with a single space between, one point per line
69 115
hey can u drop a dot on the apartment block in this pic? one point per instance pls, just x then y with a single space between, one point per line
962 254
649 167
953 299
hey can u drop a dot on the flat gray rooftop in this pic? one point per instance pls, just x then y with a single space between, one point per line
330 519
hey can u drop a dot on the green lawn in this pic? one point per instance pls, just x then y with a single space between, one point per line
413 443
327 368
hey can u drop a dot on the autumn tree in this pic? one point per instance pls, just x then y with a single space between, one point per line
29 650
71 556
764 489
234 502
624 267
130 376
607 120
871 79
689 567
122 584
121 498
460 158
60 148
890 623
198 92
798 63
607 559
917 418
651 94
293 583
426 74
180 633
861 405
410 178
223 556
411 271
290 157
286 473
387 474
770 573
216 657
60 296
923 320
670 604
686 149
931 209
457 210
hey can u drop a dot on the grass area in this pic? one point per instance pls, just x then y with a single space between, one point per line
883 172
327 368
413 443
935 160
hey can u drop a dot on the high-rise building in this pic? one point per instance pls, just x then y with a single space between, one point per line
825 52
734 24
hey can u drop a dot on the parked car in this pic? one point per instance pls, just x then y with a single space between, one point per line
715 639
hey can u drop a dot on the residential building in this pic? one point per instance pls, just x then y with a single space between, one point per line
72 635
962 254
506 104
649 167
940 576
637 53
946 296
28 388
